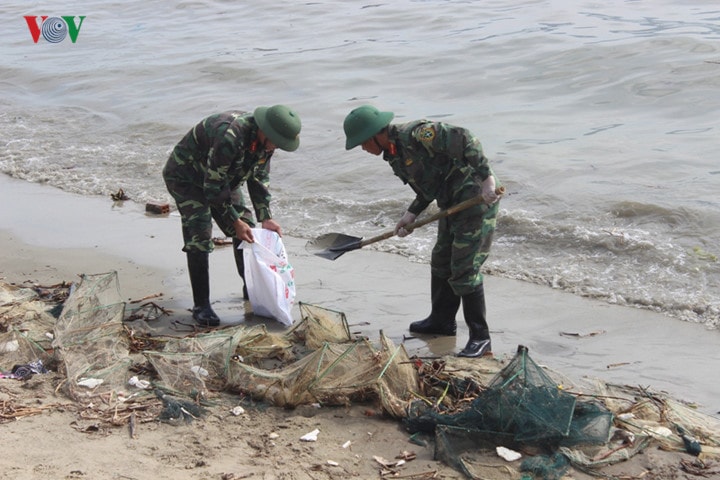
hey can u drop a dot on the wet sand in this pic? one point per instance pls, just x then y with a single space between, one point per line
47 236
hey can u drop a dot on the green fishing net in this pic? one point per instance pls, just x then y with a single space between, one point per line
521 401
521 408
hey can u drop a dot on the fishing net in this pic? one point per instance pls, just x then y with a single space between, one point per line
457 447
547 467
520 400
332 369
319 325
642 418
460 448
256 345
316 361
591 424
304 365
21 356
642 413
195 365
26 323
192 366
334 374
469 406
89 338
521 406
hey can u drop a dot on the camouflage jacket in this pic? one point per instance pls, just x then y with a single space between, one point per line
218 155
440 162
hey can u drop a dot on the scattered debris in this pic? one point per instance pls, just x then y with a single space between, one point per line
620 364
90 382
147 297
157 208
310 436
582 335
507 454
131 425
388 463
148 311
24 371
699 468
692 446
141 384
119 196
221 241
406 456
176 410
318 363
9 411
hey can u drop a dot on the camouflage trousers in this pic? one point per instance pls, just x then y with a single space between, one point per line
462 246
197 215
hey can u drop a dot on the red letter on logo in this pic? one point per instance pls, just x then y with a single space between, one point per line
34 27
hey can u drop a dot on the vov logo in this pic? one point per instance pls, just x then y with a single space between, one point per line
54 29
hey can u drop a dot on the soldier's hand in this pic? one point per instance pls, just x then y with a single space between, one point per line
406 219
488 191
243 231
271 224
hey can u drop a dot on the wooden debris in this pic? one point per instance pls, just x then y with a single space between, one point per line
222 241
10 411
140 343
582 335
148 311
131 425
147 297
613 365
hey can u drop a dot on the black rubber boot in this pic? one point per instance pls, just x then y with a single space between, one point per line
198 268
445 305
474 310
240 263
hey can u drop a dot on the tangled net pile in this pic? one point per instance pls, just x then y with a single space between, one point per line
316 361
463 405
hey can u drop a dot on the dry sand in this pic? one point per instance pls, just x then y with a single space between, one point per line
48 236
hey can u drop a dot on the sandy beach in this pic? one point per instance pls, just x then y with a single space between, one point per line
48 236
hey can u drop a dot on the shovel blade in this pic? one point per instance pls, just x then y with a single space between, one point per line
333 245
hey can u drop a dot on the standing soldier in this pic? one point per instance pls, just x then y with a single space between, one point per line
444 163
205 173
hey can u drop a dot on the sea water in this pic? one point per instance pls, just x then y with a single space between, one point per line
600 118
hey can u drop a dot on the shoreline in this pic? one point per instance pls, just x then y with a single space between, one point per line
48 235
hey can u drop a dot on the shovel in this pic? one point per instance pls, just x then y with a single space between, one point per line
333 245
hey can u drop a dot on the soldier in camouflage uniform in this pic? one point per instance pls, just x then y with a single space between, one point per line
205 173
444 163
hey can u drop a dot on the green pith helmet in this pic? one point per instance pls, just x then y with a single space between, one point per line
281 125
364 122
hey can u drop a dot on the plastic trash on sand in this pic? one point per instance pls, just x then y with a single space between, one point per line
310 436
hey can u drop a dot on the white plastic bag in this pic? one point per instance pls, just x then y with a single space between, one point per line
269 277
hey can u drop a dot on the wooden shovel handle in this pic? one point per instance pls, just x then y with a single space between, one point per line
441 214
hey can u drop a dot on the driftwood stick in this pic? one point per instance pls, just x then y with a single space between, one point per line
147 297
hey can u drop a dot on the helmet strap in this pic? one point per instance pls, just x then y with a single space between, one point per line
261 139
378 143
